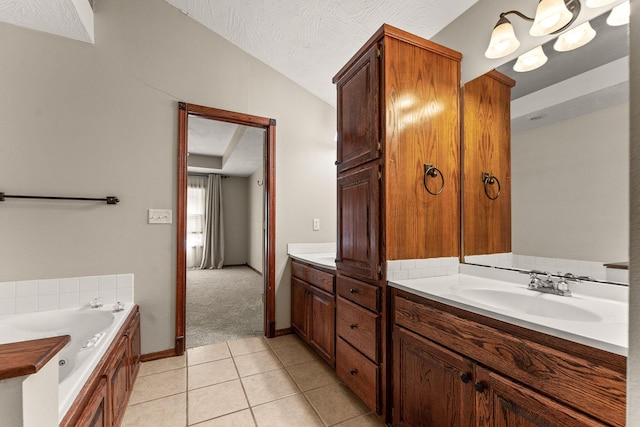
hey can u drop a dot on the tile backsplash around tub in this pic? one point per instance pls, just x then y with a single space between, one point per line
72 292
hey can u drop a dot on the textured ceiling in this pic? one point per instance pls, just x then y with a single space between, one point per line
309 41
238 149
67 18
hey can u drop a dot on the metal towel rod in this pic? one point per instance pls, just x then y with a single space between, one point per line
111 200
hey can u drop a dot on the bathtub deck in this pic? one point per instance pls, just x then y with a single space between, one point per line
28 357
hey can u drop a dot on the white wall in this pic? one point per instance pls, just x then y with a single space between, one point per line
256 218
235 208
95 120
570 188
633 361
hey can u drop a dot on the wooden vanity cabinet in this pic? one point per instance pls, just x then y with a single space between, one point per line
487 149
461 366
104 397
398 103
313 308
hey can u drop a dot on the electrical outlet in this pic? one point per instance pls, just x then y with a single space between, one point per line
160 216
316 224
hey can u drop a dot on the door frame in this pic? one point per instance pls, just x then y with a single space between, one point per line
269 269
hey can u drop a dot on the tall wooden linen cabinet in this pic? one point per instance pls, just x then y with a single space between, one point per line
398 189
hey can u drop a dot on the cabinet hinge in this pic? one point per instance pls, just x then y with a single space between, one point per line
379 269
379 51
379 175
379 146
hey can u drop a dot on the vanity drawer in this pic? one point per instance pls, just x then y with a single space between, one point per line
359 327
359 292
314 276
358 373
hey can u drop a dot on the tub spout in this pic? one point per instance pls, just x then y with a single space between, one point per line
95 303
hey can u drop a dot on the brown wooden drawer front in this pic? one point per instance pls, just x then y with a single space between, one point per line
358 373
591 380
359 292
316 277
359 327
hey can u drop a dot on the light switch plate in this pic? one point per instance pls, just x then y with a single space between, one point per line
160 216
316 224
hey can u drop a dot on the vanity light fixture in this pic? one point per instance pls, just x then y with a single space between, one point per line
552 16
531 60
598 3
619 15
575 38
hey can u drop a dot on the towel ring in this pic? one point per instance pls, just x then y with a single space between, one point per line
487 180
432 171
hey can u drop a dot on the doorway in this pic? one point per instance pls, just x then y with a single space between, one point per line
185 112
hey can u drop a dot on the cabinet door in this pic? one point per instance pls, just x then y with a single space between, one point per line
432 386
322 324
504 403
299 317
358 223
95 414
487 148
118 377
358 106
135 350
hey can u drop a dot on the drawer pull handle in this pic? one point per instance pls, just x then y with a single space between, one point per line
479 386
353 371
465 378
353 326
353 291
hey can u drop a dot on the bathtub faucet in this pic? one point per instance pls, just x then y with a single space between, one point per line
95 303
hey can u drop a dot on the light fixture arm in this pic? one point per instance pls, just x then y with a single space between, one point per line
515 12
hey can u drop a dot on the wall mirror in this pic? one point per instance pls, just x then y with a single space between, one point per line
569 161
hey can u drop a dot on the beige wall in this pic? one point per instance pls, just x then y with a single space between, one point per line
570 186
256 216
96 120
235 208
633 362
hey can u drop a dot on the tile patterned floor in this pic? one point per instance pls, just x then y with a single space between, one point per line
249 382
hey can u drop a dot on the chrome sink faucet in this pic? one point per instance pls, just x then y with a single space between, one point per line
548 286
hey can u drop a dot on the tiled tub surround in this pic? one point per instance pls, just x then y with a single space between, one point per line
53 294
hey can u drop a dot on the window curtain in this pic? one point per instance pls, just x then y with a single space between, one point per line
213 250
196 201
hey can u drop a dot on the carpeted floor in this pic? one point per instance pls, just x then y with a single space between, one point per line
223 305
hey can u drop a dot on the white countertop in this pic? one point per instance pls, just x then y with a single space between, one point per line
320 259
604 322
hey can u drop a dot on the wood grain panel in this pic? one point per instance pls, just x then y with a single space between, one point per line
421 98
568 375
359 327
314 276
487 148
359 292
358 109
428 390
28 357
509 404
358 203
360 374
299 318
322 324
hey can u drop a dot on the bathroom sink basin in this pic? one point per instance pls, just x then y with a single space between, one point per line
529 302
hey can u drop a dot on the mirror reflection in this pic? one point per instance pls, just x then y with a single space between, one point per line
569 162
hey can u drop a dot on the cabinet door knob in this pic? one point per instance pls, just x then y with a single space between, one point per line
465 377
353 291
479 386
353 326
353 371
